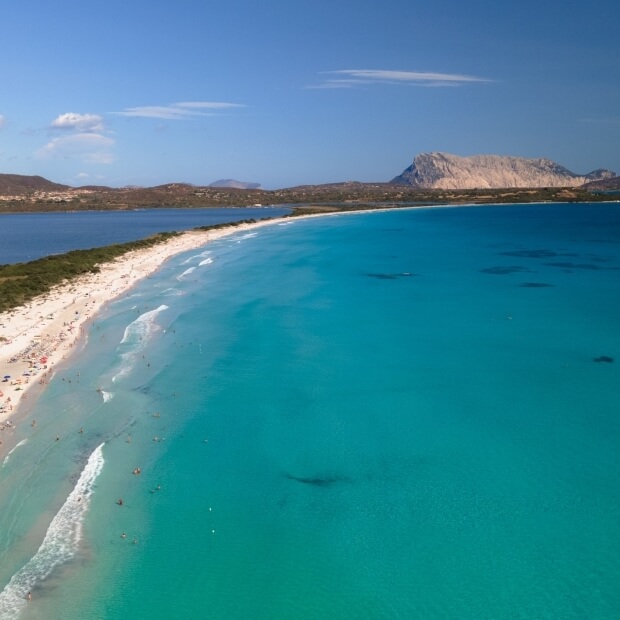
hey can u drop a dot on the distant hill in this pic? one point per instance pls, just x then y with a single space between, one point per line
21 194
231 183
610 184
446 171
19 185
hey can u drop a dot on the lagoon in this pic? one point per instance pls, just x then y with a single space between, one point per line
28 236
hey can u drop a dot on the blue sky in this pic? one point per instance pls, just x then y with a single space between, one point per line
302 91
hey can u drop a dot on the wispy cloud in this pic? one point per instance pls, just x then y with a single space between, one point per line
180 111
71 121
84 177
352 78
91 148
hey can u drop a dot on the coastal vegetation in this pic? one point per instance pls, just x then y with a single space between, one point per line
21 282
228 224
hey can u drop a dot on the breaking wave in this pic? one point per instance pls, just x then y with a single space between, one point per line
246 236
191 258
8 456
125 298
172 292
142 326
186 272
60 543
135 339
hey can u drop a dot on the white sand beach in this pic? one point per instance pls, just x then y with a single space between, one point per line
36 337
43 332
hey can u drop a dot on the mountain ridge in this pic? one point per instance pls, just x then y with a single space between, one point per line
447 171
610 184
19 184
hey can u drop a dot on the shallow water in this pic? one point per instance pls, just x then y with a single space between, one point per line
387 415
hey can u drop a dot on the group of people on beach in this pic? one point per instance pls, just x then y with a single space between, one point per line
35 357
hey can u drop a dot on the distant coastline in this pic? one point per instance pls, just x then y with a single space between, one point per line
350 194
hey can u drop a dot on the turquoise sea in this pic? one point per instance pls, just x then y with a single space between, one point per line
406 414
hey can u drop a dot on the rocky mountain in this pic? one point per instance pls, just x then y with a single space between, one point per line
446 171
20 185
611 184
231 183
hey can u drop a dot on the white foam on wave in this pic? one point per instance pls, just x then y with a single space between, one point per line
186 272
246 236
172 292
206 261
136 336
60 544
107 396
191 258
125 298
8 456
142 326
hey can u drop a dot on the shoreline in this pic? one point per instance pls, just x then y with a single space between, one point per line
229 436
45 332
